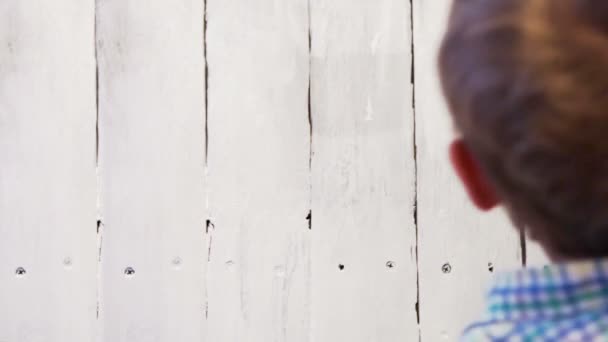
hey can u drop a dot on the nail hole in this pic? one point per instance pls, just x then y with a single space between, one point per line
129 271
341 267
446 268
177 262
20 271
229 265
490 267
390 264
279 271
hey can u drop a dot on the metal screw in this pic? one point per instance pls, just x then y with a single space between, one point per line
20 271
129 271
390 264
446 268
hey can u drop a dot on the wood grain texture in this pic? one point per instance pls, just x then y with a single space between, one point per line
471 245
363 233
323 207
47 178
258 164
151 117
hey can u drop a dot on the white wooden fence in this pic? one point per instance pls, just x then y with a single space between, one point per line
233 170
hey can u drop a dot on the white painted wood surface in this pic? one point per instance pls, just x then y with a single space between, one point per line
363 232
258 166
322 208
535 255
47 173
151 170
459 247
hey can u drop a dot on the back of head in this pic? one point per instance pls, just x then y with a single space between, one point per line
527 84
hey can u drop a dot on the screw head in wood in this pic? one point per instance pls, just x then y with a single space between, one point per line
20 271
129 271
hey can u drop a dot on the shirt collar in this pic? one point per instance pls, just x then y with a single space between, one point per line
550 292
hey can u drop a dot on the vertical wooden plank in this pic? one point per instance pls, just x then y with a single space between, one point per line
364 258
459 246
535 255
151 115
258 166
47 179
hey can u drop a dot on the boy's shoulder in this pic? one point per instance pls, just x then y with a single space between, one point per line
562 302
591 326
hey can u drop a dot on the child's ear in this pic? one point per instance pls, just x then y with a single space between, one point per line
479 189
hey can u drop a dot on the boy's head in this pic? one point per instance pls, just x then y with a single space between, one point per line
527 84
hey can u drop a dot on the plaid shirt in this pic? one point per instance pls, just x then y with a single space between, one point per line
563 302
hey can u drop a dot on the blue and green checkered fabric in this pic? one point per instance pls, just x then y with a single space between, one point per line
562 302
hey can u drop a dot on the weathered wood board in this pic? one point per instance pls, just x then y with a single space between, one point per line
151 170
363 189
48 262
459 247
258 169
